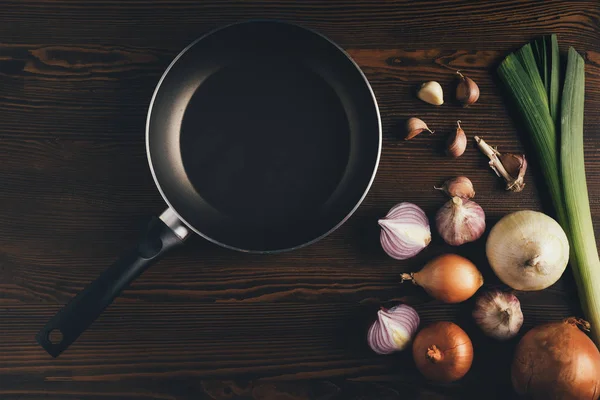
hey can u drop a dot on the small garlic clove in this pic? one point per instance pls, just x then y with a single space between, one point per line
457 142
460 186
460 221
414 126
431 92
405 231
516 166
467 91
393 330
516 163
498 314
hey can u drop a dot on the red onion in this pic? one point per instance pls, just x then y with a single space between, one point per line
405 231
393 330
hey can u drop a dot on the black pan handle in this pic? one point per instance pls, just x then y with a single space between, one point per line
161 235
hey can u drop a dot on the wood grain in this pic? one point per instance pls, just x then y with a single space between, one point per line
207 323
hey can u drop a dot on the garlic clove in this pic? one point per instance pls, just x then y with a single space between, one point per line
431 92
460 221
517 164
414 126
405 231
457 143
393 330
498 314
467 91
460 186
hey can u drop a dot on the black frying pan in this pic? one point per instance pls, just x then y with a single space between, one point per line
261 137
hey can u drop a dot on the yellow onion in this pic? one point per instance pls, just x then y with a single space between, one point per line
443 352
449 278
557 361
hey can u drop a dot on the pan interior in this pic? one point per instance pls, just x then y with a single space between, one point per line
263 136
265 141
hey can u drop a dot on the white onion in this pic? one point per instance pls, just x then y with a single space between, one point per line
405 231
528 250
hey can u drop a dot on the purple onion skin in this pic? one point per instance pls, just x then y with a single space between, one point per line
396 245
403 320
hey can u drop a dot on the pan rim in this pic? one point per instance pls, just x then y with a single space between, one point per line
314 240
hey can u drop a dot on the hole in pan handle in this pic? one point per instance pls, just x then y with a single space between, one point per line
161 235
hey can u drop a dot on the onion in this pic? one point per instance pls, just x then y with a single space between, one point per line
393 330
404 231
527 250
443 352
449 278
557 361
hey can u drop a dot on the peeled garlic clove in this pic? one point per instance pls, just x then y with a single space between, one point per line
498 314
467 91
414 126
460 186
405 231
431 92
457 143
527 250
393 330
460 221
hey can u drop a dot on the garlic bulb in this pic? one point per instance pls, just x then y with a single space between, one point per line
405 231
393 330
431 92
528 250
460 221
498 314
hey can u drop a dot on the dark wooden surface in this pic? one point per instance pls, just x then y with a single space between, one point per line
206 323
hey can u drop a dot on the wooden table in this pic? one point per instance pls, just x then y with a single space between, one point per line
76 78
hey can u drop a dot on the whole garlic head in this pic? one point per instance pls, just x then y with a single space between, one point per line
460 221
498 314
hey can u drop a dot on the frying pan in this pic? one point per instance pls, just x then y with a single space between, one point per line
262 137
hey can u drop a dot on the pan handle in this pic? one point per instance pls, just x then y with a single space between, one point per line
161 235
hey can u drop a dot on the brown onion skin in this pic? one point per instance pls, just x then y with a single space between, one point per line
449 278
536 371
455 348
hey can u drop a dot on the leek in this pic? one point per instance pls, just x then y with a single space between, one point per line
584 255
532 77
529 94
